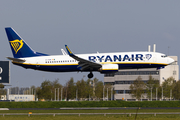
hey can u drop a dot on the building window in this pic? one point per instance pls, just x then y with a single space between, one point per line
110 83
126 91
109 75
137 73
119 91
122 91
128 82
174 72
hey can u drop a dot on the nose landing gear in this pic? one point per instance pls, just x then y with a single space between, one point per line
90 75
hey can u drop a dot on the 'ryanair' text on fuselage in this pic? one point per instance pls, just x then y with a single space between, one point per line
119 58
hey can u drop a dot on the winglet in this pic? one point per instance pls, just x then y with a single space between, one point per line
68 50
63 52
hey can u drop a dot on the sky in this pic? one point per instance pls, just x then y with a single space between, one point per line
87 26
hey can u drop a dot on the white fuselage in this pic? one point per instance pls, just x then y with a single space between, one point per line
124 60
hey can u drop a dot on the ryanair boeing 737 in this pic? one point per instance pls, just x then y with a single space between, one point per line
102 62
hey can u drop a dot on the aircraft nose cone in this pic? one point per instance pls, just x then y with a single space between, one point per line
170 60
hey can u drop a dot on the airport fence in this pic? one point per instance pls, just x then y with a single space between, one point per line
79 114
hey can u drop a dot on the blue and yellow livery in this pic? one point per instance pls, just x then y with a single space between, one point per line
102 62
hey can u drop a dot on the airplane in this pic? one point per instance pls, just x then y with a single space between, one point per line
104 63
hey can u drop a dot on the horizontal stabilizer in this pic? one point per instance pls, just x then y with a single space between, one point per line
15 59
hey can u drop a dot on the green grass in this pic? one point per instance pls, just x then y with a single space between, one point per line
62 104
92 117
91 111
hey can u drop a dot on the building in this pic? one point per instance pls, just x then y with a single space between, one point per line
22 97
17 98
17 95
122 80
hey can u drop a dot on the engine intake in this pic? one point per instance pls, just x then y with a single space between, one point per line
107 68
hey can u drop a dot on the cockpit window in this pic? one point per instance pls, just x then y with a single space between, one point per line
163 56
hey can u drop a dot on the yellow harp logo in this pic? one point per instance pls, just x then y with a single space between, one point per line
16 44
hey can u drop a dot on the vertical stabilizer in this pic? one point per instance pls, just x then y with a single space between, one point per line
18 46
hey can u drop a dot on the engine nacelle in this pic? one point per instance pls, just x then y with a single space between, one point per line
107 68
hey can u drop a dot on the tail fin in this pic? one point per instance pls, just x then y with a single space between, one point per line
19 47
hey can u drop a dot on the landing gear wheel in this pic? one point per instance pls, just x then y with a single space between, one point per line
90 75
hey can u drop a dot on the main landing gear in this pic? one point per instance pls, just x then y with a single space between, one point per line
90 75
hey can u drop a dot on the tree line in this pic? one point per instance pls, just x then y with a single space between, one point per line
169 89
96 90
91 89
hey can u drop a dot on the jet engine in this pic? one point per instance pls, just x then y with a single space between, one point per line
107 68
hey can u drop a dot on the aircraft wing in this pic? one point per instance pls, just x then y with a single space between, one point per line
83 63
15 59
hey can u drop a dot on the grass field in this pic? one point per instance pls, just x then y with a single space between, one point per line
91 117
91 111
84 104
62 104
